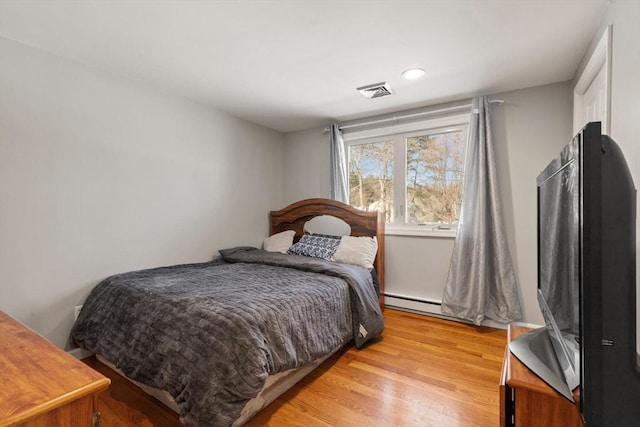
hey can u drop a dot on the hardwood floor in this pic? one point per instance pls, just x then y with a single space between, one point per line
424 372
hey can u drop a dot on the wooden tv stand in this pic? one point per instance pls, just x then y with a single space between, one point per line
526 400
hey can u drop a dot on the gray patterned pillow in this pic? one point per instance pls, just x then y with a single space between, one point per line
314 245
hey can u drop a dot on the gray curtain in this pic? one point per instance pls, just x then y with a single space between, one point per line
481 282
339 189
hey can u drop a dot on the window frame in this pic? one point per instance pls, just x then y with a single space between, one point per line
399 133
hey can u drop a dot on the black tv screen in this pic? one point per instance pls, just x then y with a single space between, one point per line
587 282
559 260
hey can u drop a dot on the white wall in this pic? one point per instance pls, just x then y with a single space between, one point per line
306 162
530 129
625 97
532 126
101 175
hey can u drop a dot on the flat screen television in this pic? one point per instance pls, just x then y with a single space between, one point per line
587 282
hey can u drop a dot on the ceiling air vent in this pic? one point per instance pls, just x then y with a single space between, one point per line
375 90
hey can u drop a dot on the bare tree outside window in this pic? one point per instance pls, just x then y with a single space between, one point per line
435 170
371 177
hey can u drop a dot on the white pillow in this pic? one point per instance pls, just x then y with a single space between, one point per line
357 250
279 242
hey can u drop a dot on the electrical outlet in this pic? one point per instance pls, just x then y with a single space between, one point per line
76 312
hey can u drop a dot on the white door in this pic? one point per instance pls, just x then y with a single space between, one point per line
591 93
594 100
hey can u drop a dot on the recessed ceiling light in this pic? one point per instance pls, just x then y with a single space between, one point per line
413 73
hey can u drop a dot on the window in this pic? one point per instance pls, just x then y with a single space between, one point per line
371 177
413 175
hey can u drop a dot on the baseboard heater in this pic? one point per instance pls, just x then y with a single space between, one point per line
413 299
428 307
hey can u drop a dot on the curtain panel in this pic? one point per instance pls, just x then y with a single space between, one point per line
339 190
481 282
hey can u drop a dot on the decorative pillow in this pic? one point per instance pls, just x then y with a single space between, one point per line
279 242
315 245
357 250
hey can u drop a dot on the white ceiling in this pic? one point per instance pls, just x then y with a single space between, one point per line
295 64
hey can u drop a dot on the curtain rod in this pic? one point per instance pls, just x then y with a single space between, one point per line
408 116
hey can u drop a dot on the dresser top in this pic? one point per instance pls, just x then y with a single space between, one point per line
37 376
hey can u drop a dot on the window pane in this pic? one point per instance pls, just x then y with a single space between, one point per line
371 177
435 169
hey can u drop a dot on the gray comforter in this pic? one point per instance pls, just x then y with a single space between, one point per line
211 333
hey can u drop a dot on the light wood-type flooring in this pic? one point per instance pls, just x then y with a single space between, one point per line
425 371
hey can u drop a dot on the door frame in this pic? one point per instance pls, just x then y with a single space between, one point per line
600 59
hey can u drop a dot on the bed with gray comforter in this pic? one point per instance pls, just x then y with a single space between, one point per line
211 333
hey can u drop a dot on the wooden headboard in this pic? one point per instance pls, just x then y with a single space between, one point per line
294 216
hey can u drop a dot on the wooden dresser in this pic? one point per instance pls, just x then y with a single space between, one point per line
526 400
41 385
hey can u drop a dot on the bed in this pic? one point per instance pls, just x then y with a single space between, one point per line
218 341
